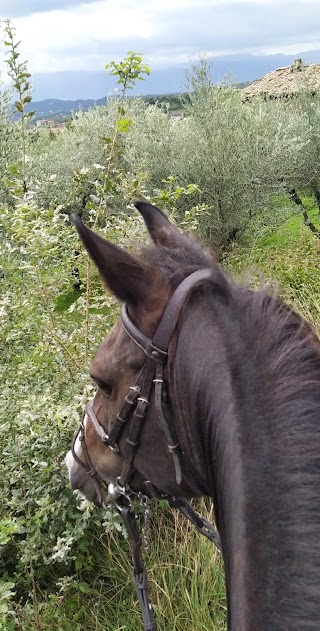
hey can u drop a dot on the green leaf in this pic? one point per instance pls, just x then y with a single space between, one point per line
107 140
124 124
84 587
13 169
78 564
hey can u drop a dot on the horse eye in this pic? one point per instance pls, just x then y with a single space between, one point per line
105 387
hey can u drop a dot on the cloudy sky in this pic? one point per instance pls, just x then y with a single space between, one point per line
85 34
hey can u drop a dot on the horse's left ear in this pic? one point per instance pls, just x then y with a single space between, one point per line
127 277
161 231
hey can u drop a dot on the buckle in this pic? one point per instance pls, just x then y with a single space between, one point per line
115 448
143 400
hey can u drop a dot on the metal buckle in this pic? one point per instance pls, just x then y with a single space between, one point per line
115 491
115 448
143 400
135 388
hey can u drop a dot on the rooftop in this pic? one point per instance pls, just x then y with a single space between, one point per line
285 82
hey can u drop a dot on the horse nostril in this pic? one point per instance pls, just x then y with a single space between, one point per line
72 480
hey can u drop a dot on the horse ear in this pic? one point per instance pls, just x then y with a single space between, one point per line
161 231
126 277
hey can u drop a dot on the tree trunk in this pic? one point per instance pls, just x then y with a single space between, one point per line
316 193
293 195
76 274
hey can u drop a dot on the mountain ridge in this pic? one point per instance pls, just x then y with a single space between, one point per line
63 92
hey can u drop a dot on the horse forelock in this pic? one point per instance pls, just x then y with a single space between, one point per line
180 258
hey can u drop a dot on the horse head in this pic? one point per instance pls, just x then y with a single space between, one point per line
120 368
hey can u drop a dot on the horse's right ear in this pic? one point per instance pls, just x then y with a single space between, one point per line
127 278
161 231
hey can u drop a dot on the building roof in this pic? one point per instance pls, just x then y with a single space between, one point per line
286 81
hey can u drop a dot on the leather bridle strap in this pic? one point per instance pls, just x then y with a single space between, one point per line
171 313
141 340
156 352
87 465
139 571
157 349
167 427
137 420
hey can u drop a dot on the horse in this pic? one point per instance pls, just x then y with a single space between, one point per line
208 388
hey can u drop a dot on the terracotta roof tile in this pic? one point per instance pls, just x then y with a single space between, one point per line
286 81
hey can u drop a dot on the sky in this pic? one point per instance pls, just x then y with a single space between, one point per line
62 35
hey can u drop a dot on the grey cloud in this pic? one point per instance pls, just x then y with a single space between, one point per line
19 8
232 26
223 27
228 26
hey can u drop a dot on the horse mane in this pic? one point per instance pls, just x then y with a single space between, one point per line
178 260
285 353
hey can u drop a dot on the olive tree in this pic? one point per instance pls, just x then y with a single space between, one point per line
308 176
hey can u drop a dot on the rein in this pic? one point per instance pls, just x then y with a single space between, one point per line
134 410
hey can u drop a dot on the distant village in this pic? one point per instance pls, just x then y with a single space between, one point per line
51 125
56 126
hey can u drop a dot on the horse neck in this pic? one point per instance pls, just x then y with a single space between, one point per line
261 495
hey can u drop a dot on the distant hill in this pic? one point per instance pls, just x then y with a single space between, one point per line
59 93
72 85
59 108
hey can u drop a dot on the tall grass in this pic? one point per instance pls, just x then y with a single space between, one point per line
287 256
185 578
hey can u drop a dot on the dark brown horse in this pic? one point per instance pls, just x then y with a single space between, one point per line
243 394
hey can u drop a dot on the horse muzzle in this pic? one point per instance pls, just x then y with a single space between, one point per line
79 480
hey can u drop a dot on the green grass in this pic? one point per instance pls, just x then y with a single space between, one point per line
288 257
64 301
185 578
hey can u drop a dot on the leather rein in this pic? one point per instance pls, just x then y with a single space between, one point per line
133 412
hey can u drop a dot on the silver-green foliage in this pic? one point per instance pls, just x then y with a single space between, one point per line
50 330
44 386
307 167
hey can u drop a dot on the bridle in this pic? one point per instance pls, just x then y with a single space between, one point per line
135 405
132 413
